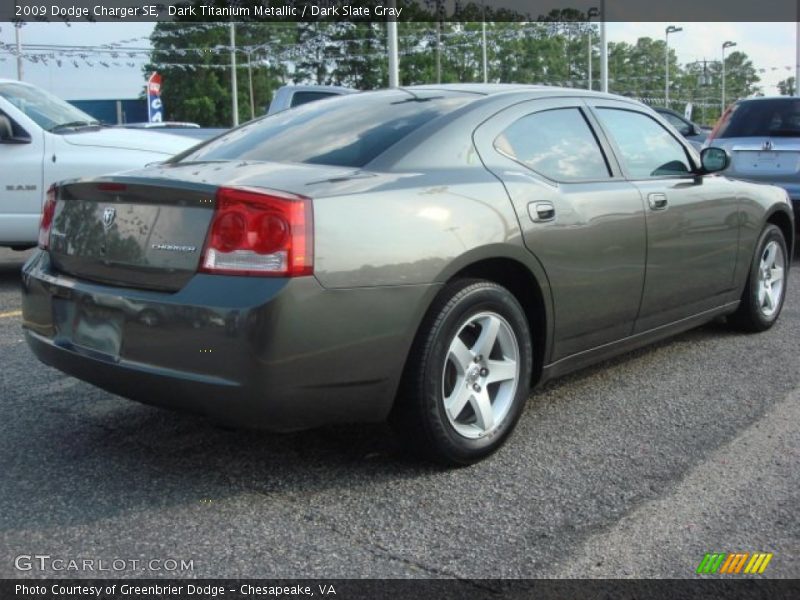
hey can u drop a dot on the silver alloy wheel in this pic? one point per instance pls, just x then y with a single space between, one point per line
771 275
480 375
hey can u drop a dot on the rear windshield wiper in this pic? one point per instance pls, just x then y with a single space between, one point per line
74 125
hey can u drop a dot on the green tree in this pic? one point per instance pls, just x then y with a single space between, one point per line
786 87
194 61
358 53
741 76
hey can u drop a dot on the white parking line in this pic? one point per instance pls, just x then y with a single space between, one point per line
11 313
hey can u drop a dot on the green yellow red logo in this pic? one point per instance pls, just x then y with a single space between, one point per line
734 563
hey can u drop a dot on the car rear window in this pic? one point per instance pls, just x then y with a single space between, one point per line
347 131
763 118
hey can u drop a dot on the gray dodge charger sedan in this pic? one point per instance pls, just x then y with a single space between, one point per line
424 255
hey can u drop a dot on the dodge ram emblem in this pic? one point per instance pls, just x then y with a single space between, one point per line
108 216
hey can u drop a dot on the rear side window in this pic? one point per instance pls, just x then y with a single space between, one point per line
555 143
348 131
646 148
305 97
762 118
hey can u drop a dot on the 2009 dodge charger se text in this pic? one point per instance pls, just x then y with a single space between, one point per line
424 254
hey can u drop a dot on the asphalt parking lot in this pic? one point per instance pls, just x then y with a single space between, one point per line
634 468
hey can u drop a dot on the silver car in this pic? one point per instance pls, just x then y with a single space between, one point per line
423 254
762 136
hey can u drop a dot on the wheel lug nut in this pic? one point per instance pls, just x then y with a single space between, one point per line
484 372
478 358
476 387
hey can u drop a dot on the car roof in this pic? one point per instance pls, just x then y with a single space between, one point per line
319 88
497 89
766 98
25 83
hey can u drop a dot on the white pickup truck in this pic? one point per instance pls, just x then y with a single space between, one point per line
44 139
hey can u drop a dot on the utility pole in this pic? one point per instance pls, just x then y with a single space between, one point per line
724 46
234 90
590 14
668 30
17 27
250 84
797 56
439 15
438 51
394 61
485 61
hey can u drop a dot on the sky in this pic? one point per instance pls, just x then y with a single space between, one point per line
771 46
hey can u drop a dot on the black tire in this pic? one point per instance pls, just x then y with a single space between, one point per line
420 417
753 315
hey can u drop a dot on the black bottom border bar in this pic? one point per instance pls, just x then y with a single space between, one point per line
728 588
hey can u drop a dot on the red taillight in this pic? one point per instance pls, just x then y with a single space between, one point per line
260 232
48 210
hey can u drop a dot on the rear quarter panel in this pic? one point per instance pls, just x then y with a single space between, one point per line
757 203
411 230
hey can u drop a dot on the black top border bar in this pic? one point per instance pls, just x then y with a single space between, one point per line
401 10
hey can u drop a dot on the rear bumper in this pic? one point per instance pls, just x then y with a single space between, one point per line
277 354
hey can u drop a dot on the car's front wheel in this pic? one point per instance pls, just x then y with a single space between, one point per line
762 299
469 374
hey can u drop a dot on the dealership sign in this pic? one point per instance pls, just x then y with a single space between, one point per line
155 109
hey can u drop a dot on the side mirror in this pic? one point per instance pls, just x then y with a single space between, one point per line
714 159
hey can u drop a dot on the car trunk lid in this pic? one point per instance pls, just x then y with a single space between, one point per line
147 229
131 234
767 159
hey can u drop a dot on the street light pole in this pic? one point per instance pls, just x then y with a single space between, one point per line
724 46
591 13
668 30
603 49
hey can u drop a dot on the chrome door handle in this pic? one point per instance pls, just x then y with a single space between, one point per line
657 201
540 212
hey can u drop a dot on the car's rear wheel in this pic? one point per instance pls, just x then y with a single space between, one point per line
469 374
763 296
